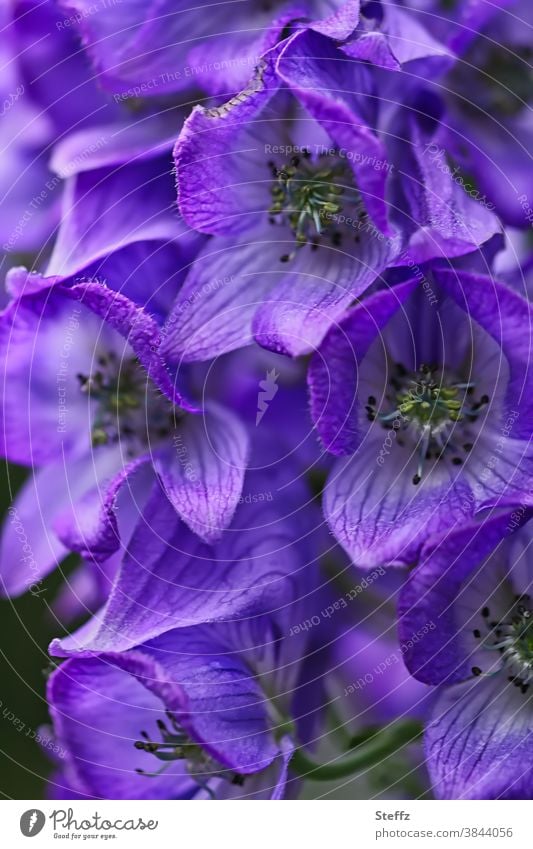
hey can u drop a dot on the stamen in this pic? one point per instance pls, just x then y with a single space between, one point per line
512 638
177 745
430 409
309 195
122 395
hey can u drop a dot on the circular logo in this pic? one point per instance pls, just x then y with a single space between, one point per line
32 822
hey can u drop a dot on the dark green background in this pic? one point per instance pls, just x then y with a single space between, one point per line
26 627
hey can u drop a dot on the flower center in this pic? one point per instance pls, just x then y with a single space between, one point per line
129 407
176 745
512 637
428 406
310 196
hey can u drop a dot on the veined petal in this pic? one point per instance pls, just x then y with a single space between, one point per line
202 470
478 743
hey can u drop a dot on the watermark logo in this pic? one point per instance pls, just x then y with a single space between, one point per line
269 388
32 822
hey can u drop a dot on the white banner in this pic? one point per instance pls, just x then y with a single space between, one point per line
267 825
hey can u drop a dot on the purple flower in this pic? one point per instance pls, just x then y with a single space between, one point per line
474 586
285 210
307 212
147 49
425 202
183 716
87 401
423 391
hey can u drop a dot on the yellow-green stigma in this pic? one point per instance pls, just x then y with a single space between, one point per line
428 407
429 402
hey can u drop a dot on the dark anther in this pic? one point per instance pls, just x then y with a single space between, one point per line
476 671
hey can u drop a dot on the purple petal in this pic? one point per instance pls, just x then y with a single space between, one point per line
435 616
317 289
508 318
91 526
202 471
214 309
376 512
404 40
222 172
108 208
170 578
146 49
448 222
341 22
217 701
478 744
29 547
112 145
333 371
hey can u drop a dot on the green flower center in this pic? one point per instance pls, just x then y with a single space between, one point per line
429 406
428 402
512 638
128 406
310 195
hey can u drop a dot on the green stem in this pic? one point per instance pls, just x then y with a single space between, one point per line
367 754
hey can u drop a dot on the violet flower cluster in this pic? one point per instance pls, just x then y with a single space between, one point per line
265 349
